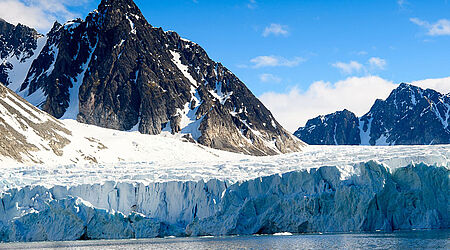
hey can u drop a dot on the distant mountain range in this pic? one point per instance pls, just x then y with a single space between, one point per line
115 70
410 115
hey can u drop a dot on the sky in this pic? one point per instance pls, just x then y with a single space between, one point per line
302 58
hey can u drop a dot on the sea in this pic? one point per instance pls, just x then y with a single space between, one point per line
429 239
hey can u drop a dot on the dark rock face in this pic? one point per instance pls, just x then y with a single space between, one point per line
409 116
117 71
339 128
16 42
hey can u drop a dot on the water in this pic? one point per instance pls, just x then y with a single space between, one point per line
433 239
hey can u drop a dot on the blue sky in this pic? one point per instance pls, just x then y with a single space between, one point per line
289 49
320 33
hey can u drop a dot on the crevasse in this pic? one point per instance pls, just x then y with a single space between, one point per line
319 200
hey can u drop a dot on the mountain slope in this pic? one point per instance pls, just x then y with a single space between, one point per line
26 131
115 70
19 46
410 115
31 137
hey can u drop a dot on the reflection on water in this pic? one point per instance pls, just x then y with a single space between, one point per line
432 239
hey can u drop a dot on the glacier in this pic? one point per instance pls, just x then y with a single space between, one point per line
369 196
108 184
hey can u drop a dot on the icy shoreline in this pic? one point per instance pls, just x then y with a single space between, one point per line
370 197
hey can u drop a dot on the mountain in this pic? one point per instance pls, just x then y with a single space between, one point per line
19 46
410 115
32 137
339 128
115 70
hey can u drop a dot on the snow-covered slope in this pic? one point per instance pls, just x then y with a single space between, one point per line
30 136
130 157
27 134
19 46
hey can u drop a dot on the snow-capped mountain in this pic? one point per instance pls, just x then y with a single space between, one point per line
19 46
115 70
409 116
30 136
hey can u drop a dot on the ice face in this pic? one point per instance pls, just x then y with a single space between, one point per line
414 197
319 200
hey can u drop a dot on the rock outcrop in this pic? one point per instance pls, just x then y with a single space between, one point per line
26 130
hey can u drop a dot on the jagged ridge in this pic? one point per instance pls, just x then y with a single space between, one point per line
18 48
409 116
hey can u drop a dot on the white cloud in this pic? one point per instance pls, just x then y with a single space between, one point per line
401 3
357 94
275 29
376 62
269 78
275 61
252 4
441 85
439 28
348 68
362 53
39 14
352 67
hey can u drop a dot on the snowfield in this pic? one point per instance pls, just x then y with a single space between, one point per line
152 159
97 155
111 184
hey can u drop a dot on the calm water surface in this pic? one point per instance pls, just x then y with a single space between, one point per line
433 239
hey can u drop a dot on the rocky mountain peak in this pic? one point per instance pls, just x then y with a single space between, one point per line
115 12
17 40
410 115
114 70
18 46
333 129
113 5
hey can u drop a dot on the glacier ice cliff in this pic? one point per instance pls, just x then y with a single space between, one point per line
372 198
413 197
